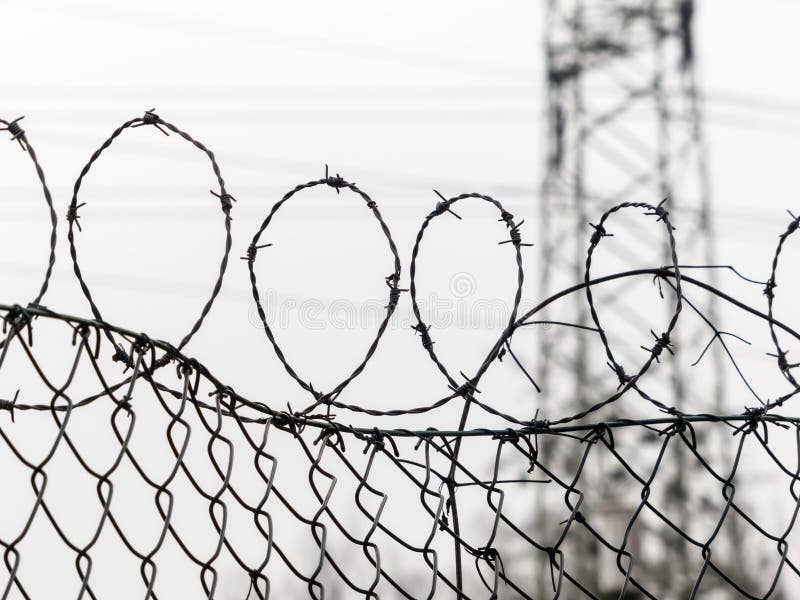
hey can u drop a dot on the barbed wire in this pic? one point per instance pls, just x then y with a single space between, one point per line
392 281
73 218
18 135
458 545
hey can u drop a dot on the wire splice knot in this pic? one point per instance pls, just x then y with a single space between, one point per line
19 319
508 435
539 426
754 417
121 356
377 439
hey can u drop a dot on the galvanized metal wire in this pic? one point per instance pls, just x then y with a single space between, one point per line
360 484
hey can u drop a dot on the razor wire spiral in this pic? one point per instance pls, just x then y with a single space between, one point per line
156 386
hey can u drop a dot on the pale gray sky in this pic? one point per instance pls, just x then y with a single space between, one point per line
399 97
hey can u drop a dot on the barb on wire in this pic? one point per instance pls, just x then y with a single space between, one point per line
18 134
16 131
397 452
336 181
444 206
149 118
225 199
392 282
9 405
467 520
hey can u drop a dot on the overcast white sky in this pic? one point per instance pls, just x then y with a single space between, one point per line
399 97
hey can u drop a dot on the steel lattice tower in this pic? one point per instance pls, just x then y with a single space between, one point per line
623 124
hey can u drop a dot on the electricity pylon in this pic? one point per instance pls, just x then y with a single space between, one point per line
623 124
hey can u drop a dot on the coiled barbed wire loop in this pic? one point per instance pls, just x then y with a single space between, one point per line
469 388
769 291
392 281
426 461
226 202
18 134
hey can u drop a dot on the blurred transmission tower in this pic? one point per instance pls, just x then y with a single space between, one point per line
623 124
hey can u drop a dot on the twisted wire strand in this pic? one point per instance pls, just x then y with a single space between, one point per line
226 200
19 135
458 548
392 281
488 555
769 291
